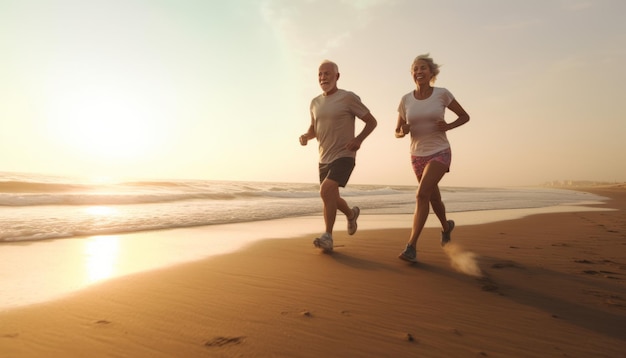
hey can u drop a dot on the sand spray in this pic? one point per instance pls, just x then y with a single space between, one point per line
462 261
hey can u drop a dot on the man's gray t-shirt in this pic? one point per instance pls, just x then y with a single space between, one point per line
333 118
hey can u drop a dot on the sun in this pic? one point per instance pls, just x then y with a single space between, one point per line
106 121
106 126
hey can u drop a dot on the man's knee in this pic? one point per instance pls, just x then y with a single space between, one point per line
329 189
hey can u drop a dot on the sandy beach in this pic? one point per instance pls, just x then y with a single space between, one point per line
549 285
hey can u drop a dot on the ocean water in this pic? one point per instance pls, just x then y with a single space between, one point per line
40 207
60 235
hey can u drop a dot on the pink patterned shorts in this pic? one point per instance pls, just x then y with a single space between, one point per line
419 163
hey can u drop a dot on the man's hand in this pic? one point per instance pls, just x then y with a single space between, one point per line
304 139
354 145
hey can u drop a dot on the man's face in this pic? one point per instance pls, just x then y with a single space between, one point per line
327 77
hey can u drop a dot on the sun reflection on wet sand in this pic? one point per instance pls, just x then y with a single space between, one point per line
101 255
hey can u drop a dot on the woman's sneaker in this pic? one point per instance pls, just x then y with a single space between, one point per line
352 222
408 254
445 235
324 242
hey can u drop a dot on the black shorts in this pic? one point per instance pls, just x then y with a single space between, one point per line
339 170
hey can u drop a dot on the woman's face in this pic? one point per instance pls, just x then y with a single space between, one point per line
421 73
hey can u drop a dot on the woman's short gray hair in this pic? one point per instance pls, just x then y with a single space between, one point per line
434 68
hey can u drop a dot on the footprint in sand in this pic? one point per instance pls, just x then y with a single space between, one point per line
488 284
222 341
505 264
304 313
617 303
605 274
591 272
608 298
583 261
561 245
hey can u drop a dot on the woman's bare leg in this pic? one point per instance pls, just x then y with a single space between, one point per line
428 186
439 208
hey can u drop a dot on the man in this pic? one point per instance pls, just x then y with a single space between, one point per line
333 116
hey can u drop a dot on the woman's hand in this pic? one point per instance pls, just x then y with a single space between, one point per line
403 130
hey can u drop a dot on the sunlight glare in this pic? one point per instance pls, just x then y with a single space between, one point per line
107 128
105 116
100 210
101 179
101 255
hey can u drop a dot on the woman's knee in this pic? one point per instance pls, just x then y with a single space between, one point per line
435 197
423 195
436 202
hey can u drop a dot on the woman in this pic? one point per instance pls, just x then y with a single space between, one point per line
421 113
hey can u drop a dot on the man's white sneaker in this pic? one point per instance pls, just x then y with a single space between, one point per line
324 242
352 222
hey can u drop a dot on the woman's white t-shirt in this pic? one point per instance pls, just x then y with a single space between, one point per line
423 115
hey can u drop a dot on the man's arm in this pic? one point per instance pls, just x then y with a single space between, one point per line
370 124
310 134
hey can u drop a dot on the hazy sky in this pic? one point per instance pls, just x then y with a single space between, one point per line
197 89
